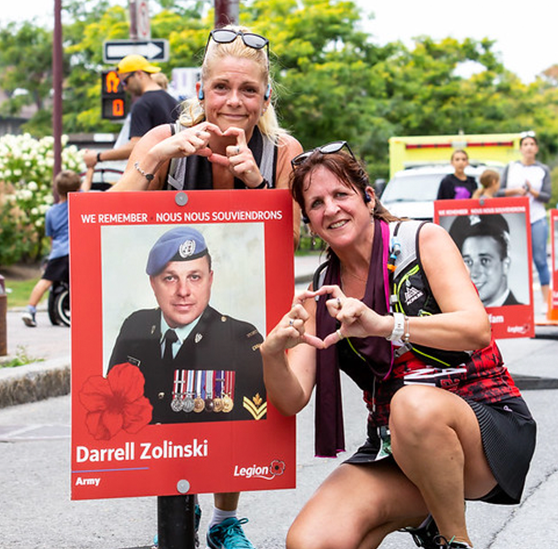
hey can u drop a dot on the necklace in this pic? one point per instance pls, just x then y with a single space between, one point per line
344 272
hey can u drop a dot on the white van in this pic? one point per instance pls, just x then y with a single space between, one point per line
411 192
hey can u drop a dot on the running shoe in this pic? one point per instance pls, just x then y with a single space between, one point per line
228 535
29 319
425 535
451 544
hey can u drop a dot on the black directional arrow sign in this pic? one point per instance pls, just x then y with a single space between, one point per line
154 50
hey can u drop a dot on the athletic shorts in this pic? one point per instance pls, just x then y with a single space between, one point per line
58 269
508 434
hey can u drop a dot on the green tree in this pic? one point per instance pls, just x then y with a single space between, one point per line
26 67
332 81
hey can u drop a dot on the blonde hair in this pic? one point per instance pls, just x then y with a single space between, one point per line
192 109
161 79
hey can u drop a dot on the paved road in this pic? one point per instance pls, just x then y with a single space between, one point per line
34 463
37 512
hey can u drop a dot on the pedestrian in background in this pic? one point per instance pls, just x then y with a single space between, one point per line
490 185
458 184
530 178
56 227
152 106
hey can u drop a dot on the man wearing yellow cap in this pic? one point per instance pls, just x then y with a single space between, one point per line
153 106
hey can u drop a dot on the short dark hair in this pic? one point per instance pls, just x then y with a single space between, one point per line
67 181
491 225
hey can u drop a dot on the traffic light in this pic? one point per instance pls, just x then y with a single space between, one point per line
113 96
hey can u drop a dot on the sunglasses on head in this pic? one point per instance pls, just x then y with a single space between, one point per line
329 148
523 135
250 39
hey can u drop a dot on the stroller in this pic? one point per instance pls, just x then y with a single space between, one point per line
59 296
59 303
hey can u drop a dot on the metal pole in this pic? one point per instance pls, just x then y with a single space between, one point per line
3 321
57 86
226 12
175 514
175 522
133 20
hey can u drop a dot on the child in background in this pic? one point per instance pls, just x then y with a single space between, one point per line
458 184
490 181
56 222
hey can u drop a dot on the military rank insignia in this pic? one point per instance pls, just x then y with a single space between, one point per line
255 406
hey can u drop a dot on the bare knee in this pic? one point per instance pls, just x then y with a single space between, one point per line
415 411
312 539
305 535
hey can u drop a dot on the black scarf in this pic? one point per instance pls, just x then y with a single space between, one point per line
199 175
377 351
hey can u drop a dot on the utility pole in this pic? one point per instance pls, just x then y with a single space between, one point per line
226 12
57 85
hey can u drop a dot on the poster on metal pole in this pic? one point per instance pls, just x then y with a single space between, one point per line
494 238
553 305
171 297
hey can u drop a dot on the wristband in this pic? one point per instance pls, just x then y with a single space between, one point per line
398 327
148 176
99 156
263 185
407 335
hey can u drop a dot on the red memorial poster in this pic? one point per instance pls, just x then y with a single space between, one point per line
554 266
494 238
172 294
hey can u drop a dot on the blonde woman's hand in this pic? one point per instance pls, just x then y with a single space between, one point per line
239 159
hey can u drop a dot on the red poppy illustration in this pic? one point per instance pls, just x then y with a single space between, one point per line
116 402
277 467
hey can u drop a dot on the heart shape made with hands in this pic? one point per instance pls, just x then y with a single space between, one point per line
334 306
221 159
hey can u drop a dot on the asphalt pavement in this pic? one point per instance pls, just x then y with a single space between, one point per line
35 466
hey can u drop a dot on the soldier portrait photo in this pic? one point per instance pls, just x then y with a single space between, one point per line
200 363
498 269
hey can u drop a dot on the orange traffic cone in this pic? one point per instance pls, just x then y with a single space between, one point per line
551 312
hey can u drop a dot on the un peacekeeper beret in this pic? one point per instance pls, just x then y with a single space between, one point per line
494 225
180 244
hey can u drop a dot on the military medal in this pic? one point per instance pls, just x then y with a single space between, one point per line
199 404
188 402
217 400
228 398
178 384
209 406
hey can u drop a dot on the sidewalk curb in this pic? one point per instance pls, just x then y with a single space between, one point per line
35 381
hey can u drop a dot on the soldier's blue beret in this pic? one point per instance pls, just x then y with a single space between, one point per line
180 244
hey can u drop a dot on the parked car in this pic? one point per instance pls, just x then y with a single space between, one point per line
412 191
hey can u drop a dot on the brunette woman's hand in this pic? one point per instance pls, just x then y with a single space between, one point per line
291 329
355 318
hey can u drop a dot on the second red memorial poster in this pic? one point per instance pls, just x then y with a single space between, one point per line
494 238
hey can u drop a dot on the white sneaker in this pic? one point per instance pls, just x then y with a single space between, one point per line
29 319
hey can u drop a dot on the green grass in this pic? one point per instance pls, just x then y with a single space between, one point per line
20 291
21 359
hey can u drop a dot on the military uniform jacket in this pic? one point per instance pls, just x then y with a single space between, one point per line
218 343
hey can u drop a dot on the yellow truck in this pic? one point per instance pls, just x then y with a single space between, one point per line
407 152
418 164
